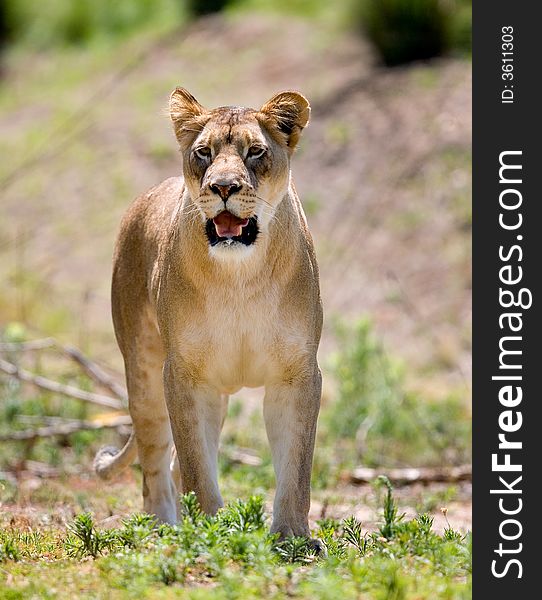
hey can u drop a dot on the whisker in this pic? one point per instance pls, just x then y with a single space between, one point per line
273 217
264 201
272 214
194 210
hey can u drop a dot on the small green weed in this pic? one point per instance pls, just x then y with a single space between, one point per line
136 529
86 540
353 534
391 518
9 550
296 550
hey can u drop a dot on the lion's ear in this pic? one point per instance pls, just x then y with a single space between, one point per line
289 113
187 115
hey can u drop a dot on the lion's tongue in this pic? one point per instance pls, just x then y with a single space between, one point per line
228 225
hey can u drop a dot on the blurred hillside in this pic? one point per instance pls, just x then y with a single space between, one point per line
383 171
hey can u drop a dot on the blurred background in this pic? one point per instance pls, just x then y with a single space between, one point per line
384 173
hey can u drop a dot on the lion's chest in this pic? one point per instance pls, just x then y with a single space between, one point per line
236 342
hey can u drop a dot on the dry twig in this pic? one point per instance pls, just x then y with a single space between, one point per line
27 346
94 371
57 388
410 476
65 429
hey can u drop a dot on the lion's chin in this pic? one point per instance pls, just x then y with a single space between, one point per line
232 255
247 236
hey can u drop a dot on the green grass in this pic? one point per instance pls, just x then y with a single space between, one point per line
61 22
233 555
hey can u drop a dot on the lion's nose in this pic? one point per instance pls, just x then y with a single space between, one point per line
225 190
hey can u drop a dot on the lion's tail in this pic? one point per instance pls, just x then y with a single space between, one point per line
110 461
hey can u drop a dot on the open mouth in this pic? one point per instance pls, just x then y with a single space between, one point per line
227 228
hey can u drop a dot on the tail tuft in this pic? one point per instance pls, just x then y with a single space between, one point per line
109 461
104 461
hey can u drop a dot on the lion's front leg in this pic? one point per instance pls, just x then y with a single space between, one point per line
196 413
290 412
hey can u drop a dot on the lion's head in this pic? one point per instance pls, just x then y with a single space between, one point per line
236 162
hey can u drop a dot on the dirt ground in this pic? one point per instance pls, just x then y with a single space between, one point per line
54 502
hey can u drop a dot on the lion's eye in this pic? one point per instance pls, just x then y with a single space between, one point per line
203 152
256 152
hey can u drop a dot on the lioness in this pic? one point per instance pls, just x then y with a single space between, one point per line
215 287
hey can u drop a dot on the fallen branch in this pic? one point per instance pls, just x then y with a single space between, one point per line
26 346
44 419
37 469
33 468
410 476
241 456
95 372
58 388
65 429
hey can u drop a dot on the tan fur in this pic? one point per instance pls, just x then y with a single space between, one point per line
196 323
